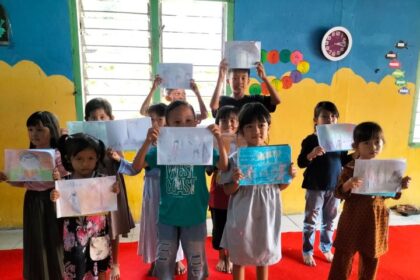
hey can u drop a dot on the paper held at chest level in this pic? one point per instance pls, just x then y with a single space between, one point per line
380 177
81 197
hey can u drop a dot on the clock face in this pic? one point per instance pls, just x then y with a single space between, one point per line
336 43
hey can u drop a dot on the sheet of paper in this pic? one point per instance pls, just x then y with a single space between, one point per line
242 54
81 197
175 75
23 165
121 135
380 177
335 137
265 165
185 146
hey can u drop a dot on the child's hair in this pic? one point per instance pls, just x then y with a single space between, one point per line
234 70
159 109
225 111
251 112
366 131
71 145
176 104
98 103
47 119
325 106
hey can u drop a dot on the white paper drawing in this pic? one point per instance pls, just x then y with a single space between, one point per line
175 75
335 137
242 54
81 197
23 165
380 177
121 135
185 146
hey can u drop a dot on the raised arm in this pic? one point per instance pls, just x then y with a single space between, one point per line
274 96
203 109
140 160
214 103
145 106
222 164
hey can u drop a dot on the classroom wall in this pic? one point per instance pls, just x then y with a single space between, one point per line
36 74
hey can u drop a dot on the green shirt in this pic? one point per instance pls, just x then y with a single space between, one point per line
183 192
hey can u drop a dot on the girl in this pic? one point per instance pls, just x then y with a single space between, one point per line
363 224
99 109
252 230
148 242
81 155
173 95
320 179
227 118
182 213
42 248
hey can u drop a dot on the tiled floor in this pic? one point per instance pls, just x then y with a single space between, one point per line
12 239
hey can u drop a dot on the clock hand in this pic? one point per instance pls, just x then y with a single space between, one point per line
339 44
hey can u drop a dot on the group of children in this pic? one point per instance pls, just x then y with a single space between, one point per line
246 220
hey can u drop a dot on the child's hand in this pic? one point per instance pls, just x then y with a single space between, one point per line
152 134
352 183
56 174
112 154
193 86
215 130
292 170
261 71
237 175
317 151
64 131
223 67
54 195
3 176
156 82
116 188
405 182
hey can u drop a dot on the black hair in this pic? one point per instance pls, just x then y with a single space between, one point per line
159 109
47 119
233 70
71 145
366 131
325 106
251 112
98 103
175 104
225 111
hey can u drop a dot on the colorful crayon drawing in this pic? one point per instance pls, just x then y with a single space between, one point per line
380 177
265 165
185 146
81 197
29 164
175 75
242 54
335 137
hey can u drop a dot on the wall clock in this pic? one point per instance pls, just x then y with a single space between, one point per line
336 43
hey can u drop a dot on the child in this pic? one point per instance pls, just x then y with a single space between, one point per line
81 155
121 221
227 119
173 95
320 179
42 248
182 214
238 79
363 224
150 204
252 230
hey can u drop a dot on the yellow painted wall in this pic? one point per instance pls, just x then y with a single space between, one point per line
24 88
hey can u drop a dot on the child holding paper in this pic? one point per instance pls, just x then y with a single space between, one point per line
183 198
42 248
121 221
81 155
252 230
319 180
363 224
238 80
173 95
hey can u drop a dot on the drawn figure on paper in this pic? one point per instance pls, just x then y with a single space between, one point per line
30 163
180 179
175 149
74 204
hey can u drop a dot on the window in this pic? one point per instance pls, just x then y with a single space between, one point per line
415 126
118 59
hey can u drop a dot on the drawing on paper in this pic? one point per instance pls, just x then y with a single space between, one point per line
242 54
335 137
175 75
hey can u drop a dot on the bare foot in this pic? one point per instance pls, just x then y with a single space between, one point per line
220 266
180 268
328 256
115 271
228 265
309 260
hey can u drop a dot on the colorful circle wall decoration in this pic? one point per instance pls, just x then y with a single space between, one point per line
283 82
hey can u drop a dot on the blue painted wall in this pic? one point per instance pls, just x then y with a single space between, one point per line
40 33
376 25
